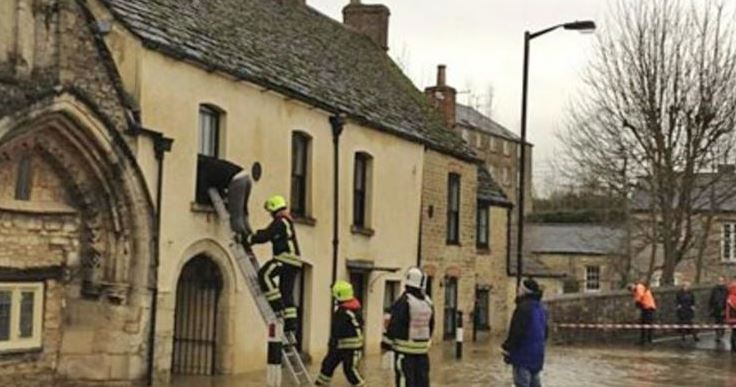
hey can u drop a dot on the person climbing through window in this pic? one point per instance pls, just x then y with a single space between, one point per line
285 264
233 183
346 337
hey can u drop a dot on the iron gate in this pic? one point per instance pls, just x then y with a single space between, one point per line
195 317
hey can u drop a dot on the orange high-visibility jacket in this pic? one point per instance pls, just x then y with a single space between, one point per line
731 304
643 295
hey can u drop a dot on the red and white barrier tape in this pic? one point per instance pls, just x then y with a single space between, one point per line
643 326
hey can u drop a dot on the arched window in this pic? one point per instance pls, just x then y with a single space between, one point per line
23 181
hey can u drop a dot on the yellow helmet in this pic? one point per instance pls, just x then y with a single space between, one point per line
275 203
342 291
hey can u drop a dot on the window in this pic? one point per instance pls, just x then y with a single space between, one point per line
466 135
482 226
727 242
428 287
492 144
506 175
507 148
450 307
361 189
390 295
478 140
482 303
209 131
300 154
23 181
453 209
21 307
592 278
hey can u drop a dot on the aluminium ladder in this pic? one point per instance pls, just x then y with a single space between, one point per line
249 266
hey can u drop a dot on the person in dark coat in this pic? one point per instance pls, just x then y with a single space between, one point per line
717 305
524 346
685 300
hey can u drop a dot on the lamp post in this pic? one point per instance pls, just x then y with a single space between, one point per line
586 26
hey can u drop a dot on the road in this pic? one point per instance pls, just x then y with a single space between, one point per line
666 363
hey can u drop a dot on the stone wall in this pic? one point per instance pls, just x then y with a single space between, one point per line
440 259
616 307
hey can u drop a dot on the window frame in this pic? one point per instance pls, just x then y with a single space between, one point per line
391 288
592 278
507 148
300 206
452 234
216 114
15 343
486 232
728 231
362 197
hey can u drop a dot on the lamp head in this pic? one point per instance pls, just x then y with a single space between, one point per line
584 26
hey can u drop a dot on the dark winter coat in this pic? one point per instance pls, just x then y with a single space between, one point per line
685 305
283 240
527 333
717 302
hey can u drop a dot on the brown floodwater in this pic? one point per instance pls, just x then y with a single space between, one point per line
666 363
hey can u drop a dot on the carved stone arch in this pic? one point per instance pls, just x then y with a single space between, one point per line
104 186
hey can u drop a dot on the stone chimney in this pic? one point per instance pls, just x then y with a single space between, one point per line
369 19
443 97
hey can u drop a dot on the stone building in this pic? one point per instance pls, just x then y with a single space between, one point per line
110 271
76 214
464 246
498 147
712 251
591 256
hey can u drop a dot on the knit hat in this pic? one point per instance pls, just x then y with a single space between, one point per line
529 286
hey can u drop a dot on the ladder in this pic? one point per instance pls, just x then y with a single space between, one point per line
249 266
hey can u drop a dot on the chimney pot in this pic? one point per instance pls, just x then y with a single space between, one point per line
369 19
441 80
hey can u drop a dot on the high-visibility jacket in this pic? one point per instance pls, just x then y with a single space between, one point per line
644 298
411 324
346 331
731 304
283 239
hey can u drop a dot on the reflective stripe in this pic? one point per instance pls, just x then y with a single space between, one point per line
270 285
386 340
273 295
323 379
411 347
400 370
290 313
289 259
350 343
356 360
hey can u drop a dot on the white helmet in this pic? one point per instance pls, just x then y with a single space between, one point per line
415 278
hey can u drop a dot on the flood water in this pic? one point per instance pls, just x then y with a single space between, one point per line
668 363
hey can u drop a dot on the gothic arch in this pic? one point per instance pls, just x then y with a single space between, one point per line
101 182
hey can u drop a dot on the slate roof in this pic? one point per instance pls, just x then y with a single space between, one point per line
488 190
714 191
534 267
296 51
582 239
470 117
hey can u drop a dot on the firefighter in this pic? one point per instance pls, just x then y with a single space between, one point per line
409 332
346 337
285 264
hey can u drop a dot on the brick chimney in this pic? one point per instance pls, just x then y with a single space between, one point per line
443 97
369 19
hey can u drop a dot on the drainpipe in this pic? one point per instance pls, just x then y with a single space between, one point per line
161 145
337 123
419 242
508 242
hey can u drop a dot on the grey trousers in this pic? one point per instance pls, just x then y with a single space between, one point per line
238 193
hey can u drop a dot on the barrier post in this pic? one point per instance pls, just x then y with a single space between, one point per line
273 369
459 336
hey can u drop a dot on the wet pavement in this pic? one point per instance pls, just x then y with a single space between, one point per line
668 362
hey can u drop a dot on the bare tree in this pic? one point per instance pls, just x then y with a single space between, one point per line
658 110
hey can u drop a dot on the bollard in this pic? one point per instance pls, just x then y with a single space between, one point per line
273 369
459 336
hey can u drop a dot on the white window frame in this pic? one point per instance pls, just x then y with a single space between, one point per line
506 147
506 176
591 279
15 342
466 135
478 140
492 144
728 233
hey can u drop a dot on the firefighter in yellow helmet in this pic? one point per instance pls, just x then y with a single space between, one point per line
285 264
346 337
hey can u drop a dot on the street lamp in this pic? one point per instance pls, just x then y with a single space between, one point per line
584 26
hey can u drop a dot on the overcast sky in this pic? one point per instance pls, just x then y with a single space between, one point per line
481 42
